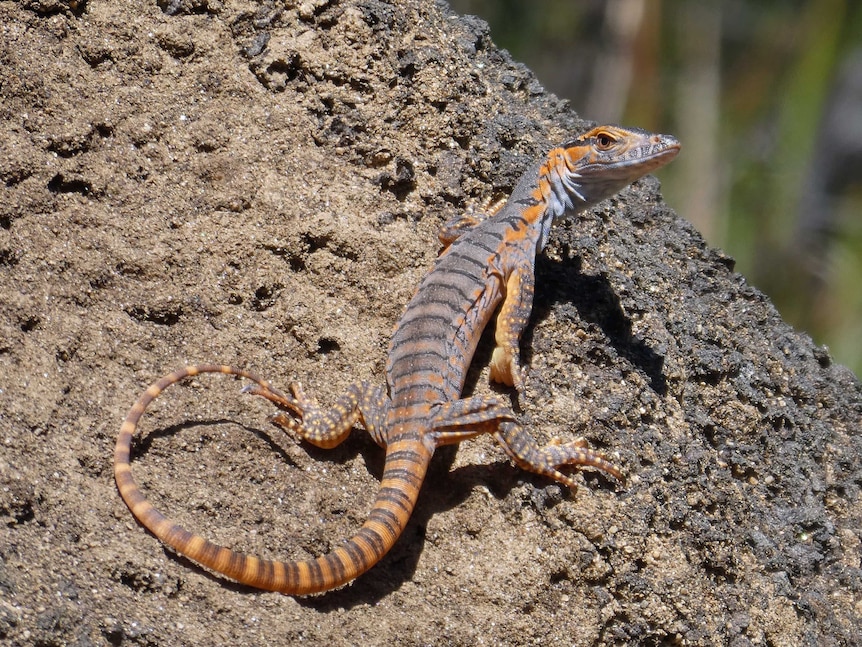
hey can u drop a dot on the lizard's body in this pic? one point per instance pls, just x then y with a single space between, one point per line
489 259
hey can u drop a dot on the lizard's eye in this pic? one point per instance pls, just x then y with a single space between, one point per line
604 141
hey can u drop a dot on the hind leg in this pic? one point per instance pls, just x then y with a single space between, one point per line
326 428
528 455
467 418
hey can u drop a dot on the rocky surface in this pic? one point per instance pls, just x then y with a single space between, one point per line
260 184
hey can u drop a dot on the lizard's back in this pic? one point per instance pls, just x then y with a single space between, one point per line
434 342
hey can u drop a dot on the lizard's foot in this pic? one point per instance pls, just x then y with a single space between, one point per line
547 461
577 452
453 228
295 403
506 369
326 428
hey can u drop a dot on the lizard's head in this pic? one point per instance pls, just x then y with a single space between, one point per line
606 159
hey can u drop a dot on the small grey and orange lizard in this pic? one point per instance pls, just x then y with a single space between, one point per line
488 261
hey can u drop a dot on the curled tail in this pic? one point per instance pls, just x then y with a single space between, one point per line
406 462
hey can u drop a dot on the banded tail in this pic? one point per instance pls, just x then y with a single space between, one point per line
406 463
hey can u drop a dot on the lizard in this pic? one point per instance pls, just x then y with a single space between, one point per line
486 266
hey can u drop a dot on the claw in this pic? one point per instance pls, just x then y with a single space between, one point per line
285 422
578 452
302 400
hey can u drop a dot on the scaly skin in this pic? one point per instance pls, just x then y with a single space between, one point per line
488 260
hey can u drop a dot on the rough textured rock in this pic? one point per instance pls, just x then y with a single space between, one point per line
260 184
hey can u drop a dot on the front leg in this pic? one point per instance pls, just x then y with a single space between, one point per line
511 322
456 226
326 428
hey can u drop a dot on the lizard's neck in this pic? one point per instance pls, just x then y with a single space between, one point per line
584 171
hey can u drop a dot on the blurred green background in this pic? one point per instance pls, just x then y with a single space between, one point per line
766 98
